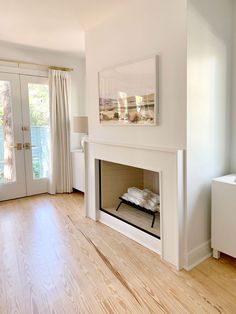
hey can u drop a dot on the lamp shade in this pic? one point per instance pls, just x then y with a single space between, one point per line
80 125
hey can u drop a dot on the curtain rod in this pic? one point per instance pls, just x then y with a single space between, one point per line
50 67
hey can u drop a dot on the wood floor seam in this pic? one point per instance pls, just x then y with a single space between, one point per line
106 261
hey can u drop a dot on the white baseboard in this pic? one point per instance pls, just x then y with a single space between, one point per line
198 255
133 233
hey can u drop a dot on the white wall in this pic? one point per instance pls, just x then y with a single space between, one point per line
17 52
194 45
233 116
208 111
142 29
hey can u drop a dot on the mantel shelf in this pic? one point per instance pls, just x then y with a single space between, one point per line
131 146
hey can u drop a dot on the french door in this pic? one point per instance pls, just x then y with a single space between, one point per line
24 135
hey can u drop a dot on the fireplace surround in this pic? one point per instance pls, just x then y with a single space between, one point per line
168 163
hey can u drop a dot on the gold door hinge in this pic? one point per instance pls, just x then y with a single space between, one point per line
25 128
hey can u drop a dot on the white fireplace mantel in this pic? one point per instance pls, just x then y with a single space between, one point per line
143 147
169 163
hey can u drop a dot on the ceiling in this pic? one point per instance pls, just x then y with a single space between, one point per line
53 24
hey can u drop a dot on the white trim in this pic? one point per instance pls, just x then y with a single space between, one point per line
181 209
16 70
80 150
198 255
131 232
161 211
143 147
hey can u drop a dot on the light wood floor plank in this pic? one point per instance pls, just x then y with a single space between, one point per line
53 260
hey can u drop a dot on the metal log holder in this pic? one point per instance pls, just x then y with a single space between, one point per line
143 209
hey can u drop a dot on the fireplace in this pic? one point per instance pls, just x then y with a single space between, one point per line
158 169
115 180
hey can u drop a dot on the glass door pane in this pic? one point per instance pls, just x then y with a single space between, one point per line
7 156
35 108
12 162
39 126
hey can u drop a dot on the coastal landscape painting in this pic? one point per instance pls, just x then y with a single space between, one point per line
128 93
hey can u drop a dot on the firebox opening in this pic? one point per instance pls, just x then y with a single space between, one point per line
132 195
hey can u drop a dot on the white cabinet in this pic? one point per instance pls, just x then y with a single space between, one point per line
224 215
78 169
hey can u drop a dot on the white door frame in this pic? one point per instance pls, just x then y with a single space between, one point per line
34 186
16 188
24 184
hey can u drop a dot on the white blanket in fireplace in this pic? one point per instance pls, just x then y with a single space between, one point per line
153 197
144 198
140 194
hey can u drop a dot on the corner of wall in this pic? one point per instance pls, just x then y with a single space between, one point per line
198 255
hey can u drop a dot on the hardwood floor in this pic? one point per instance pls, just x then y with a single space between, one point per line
53 260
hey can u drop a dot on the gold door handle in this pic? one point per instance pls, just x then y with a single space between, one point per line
18 146
28 146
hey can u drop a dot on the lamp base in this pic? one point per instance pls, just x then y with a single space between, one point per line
83 140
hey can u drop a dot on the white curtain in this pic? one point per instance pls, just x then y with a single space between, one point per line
60 180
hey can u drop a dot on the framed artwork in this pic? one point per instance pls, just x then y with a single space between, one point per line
128 93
